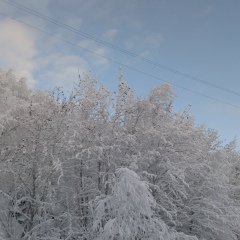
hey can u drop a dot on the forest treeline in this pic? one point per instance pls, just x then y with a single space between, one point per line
100 165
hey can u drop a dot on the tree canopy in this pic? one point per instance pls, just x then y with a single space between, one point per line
107 165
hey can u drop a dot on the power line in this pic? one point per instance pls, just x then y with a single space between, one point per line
44 17
119 63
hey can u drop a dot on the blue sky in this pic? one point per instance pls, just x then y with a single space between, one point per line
198 38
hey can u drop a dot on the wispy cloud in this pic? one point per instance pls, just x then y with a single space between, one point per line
151 41
110 34
223 108
74 22
154 39
94 59
207 11
60 70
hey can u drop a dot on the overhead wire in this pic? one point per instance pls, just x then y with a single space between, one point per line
86 35
114 61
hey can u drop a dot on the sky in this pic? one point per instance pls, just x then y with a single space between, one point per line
192 45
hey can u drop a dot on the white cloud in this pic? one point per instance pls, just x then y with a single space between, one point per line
136 24
100 60
40 6
154 39
150 41
145 54
74 22
17 47
60 70
94 59
86 43
110 34
35 55
208 10
132 42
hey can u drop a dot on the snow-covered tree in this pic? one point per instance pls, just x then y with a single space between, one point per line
30 165
128 213
102 165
